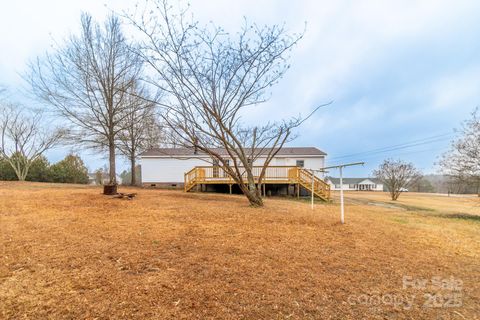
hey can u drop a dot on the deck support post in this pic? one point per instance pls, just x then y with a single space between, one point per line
298 190
264 193
230 188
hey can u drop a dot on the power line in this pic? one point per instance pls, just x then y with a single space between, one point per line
399 146
413 143
370 157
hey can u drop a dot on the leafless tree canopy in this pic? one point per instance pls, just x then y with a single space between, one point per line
208 77
397 175
141 128
462 162
23 138
86 81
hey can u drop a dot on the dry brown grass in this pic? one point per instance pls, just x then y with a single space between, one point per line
455 204
70 252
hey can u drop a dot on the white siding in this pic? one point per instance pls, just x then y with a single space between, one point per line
163 169
309 163
168 169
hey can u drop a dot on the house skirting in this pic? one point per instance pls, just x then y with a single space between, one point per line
163 185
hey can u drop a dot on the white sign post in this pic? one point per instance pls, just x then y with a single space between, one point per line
342 209
313 194
340 167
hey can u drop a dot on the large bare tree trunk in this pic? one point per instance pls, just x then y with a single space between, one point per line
133 181
112 169
252 193
254 198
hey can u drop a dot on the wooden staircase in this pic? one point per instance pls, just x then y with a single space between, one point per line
191 179
274 175
321 189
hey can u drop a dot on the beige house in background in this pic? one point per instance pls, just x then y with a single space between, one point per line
355 184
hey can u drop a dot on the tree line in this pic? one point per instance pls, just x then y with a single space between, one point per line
175 82
69 170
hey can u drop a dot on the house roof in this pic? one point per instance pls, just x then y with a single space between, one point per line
189 152
352 180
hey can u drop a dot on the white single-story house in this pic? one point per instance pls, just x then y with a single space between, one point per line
166 167
355 184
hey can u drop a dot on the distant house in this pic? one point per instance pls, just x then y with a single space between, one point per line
355 184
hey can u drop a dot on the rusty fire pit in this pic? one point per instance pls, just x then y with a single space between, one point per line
110 189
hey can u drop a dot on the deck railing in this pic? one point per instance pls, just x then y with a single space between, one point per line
273 174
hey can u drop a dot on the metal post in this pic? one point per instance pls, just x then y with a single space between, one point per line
340 167
313 194
342 210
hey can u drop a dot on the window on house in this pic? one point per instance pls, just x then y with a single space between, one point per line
300 163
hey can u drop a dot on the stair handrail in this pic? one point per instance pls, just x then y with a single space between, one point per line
190 177
319 185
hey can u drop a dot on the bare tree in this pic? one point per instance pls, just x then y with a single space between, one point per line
86 81
24 138
141 129
462 161
209 77
397 176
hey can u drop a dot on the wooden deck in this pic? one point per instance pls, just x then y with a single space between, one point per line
274 175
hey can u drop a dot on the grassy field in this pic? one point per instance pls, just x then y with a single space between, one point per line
69 252
439 203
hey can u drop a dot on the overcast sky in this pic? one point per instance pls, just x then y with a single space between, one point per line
402 74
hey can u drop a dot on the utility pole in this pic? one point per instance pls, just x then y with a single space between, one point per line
340 168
